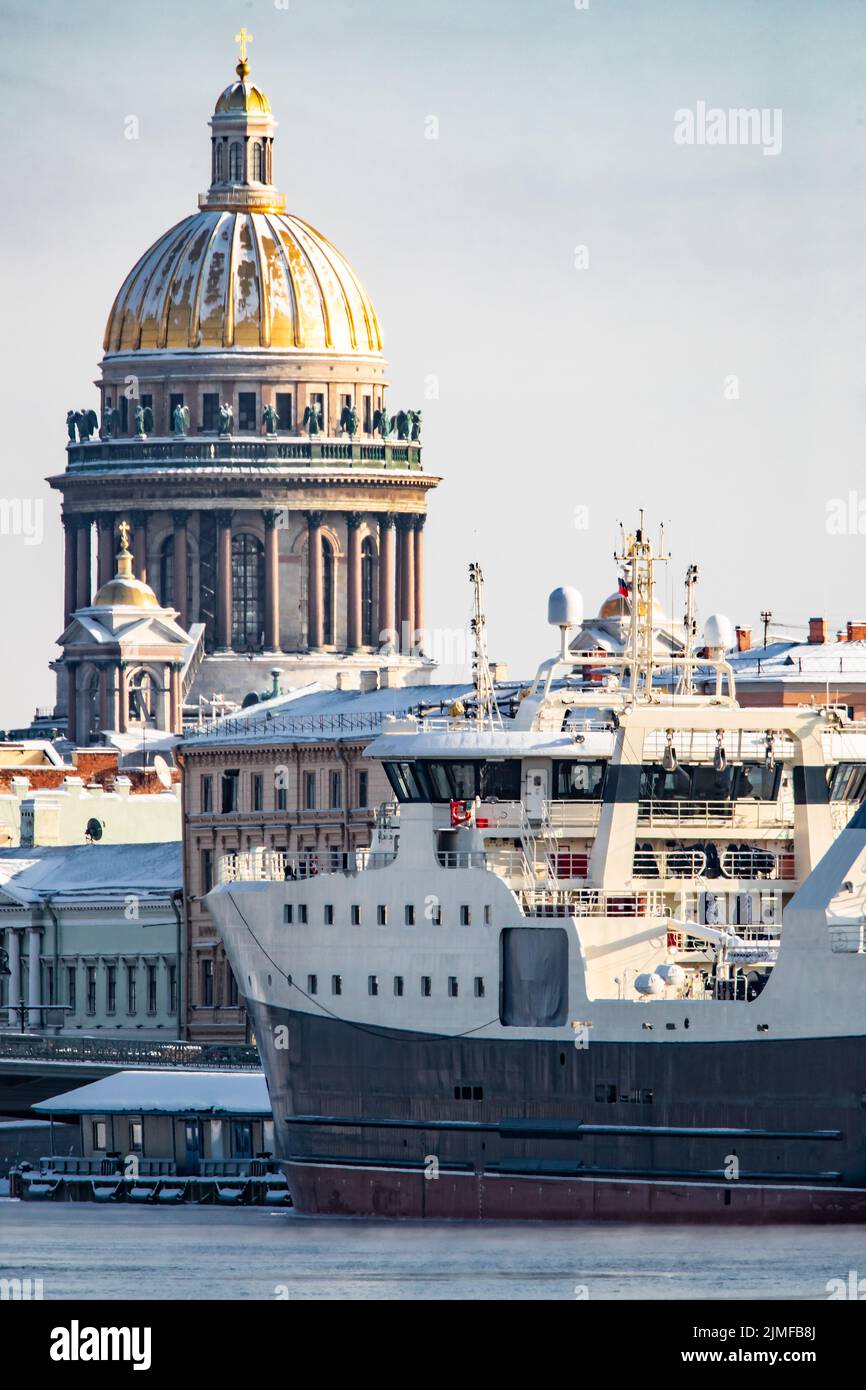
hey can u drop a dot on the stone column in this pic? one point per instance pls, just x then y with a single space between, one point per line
175 712
353 581
419 574
224 582
139 546
72 703
122 700
407 583
386 574
34 976
272 583
82 583
315 583
70 574
180 596
13 943
104 548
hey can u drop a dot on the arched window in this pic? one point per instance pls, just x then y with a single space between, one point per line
328 591
218 161
248 576
142 698
368 570
258 162
236 162
91 706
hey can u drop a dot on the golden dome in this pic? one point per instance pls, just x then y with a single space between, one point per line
242 96
617 606
124 590
125 593
241 278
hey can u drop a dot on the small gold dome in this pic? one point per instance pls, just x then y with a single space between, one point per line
617 606
125 593
124 590
242 96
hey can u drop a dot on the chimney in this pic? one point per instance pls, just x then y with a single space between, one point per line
856 632
817 631
369 681
744 639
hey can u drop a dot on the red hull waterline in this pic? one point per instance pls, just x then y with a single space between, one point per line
389 1193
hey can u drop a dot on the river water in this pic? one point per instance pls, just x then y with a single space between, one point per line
85 1252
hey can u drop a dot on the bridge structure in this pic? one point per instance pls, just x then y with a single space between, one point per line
34 1067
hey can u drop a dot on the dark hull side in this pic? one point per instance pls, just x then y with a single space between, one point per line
378 1122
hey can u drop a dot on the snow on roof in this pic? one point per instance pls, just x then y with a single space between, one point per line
312 717
165 1093
71 872
800 661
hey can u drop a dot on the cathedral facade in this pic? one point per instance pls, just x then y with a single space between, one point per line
273 500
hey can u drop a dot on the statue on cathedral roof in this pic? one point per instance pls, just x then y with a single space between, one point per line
270 419
312 420
349 421
383 423
180 418
143 421
227 416
84 421
415 417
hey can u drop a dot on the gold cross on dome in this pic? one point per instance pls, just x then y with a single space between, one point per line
123 528
243 38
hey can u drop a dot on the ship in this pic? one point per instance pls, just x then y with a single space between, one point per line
604 959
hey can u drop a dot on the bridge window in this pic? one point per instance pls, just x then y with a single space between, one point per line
453 987
99 1135
135 1136
500 781
312 984
329 914
479 987
355 917
373 984
336 984
426 986
409 914
578 780
398 986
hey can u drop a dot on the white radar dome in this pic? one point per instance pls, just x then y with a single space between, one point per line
718 632
671 974
565 608
648 984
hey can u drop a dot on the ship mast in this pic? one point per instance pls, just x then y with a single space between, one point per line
638 559
686 685
487 714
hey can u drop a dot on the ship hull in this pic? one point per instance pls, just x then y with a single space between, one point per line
324 1189
386 1123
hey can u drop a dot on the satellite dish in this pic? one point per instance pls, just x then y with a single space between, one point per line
718 632
93 830
162 770
565 608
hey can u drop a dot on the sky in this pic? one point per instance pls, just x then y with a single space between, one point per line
613 319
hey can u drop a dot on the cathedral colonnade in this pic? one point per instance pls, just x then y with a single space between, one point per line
266 580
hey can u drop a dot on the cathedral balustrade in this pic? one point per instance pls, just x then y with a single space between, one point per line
300 452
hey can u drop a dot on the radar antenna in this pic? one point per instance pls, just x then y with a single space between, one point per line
486 709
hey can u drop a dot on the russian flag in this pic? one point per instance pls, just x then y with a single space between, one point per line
622 587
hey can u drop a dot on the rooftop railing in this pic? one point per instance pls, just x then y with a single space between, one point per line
204 451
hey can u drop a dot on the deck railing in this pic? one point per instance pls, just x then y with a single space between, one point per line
275 865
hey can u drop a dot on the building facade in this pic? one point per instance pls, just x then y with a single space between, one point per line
92 940
274 501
